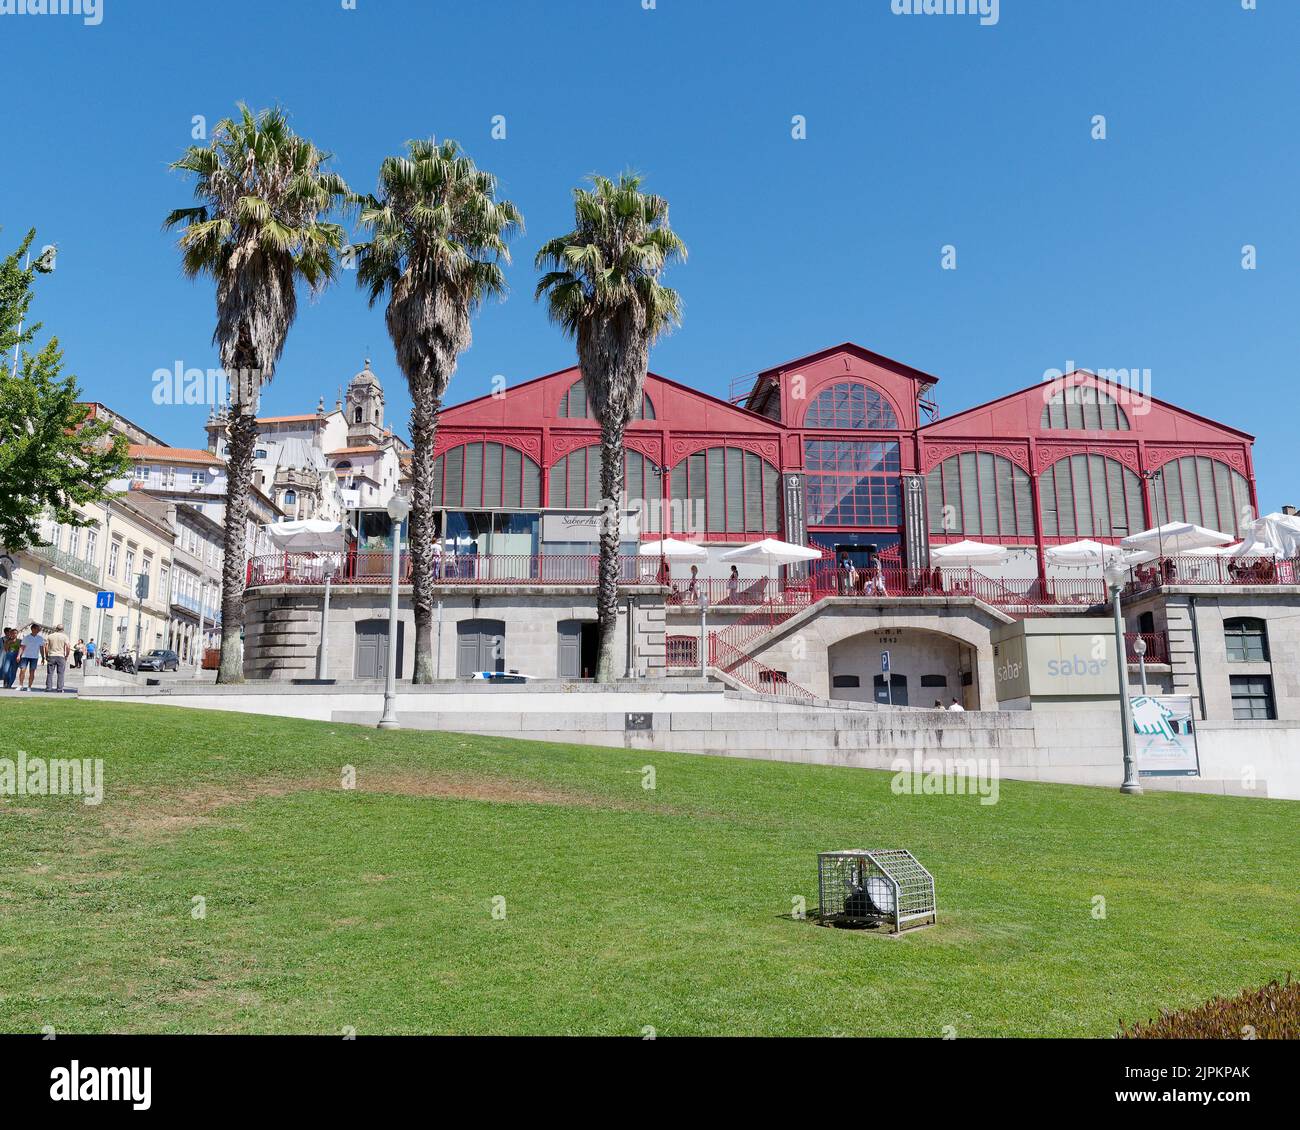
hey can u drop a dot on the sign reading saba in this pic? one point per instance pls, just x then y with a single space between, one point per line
1063 659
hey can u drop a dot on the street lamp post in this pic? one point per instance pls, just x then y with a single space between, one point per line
1116 573
1140 649
704 634
398 509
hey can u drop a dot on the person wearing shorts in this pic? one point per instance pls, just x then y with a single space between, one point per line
29 655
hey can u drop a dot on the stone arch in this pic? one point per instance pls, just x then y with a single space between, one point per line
803 646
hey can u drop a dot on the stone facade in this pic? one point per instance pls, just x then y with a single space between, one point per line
1201 668
283 630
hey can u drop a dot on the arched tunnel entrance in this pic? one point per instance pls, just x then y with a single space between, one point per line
925 668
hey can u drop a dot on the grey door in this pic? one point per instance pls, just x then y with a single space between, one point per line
570 661
372 649
896 692
480 646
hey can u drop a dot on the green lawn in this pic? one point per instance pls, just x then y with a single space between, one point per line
372 908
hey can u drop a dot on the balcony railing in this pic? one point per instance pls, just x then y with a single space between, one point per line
1192 569
362 568
66 562
1157 646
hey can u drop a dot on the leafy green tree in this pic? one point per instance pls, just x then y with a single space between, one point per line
603 290
437 242
259 230
52 459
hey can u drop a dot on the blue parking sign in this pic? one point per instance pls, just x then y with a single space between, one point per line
103 600
884 662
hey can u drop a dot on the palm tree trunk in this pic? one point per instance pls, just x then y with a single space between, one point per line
239 480
611 492
426 404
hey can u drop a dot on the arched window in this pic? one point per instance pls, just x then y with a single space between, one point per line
1083 407
475 476
726 491
1203 491
1090 496
575 406
357 417
290 497
850 405
343 465
1246 640
575 482
979 493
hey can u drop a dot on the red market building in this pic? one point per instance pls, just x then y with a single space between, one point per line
845 448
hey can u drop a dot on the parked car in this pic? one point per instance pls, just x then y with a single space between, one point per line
159 659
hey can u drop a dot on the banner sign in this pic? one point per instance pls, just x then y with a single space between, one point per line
1164 735
916 525
583 526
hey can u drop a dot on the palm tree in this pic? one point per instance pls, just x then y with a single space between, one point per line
259 229
437 244
603 290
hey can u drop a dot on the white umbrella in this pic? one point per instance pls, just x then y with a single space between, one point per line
967 553
673 547
310 535
1085 552
1274 535
772 552
1244 549
1176 537
769 551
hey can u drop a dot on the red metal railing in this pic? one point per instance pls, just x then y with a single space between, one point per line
364 568
1194 569
745 592
1157 646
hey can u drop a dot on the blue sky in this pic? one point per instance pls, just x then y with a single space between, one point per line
922 131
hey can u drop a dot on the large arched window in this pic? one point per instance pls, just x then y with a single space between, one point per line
724 490
1083 408
1090 496
575 405
1203 491
476 476
850 405
979 493
575 482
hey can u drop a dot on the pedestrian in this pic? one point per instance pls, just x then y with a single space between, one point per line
733 585
29 655
9 657
693 585
77 652
90 651
847 576
57 650
938 704
957 707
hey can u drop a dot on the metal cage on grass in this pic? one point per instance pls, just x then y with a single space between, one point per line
874 888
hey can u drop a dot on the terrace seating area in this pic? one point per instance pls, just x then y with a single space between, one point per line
800 586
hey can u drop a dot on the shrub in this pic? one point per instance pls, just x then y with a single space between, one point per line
1270 1013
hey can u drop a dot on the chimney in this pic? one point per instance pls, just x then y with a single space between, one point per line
1289 511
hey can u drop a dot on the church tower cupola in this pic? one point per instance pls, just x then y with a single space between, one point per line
364 408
